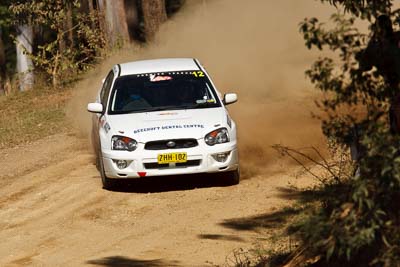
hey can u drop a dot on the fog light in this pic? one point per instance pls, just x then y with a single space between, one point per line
121 164
221 157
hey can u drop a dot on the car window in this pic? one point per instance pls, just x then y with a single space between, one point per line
105 91
162 91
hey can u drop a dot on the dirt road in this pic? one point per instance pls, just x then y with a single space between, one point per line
55 213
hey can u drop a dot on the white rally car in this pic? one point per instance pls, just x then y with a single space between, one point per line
162 117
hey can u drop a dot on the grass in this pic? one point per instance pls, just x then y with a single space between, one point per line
32 115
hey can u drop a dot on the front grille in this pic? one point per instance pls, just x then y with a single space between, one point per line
179 144
189 163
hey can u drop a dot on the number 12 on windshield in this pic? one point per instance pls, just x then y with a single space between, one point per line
198 73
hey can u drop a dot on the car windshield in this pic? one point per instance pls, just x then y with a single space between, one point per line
162 91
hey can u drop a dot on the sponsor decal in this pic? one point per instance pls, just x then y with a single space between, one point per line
229 121
107 127
155 78
168 127
203 101
157 75
150 129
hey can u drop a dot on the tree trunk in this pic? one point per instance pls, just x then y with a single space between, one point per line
90 6
154 14
91 12
116 27
87 8
132 18
84 6
69 25
24 63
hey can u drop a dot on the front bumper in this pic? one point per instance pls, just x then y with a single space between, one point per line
144 162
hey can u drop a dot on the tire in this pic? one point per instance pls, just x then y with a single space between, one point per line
96 151
97 162
233 177
107 182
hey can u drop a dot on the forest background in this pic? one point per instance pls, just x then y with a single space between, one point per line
52 41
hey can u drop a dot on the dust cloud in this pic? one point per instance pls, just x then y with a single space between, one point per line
252 48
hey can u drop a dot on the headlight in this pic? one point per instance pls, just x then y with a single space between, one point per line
123 143
218 136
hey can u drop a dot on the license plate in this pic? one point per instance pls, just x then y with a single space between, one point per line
171 158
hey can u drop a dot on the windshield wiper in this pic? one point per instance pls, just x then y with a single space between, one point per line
159 108
162 108
205 105
150 109
197 105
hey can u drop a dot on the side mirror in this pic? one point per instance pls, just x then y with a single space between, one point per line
95 107
230 98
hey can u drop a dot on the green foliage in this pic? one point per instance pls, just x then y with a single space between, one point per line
363 8
359 225
5 16
7 29
67 50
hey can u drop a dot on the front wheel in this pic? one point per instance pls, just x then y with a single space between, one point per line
233 177
107 182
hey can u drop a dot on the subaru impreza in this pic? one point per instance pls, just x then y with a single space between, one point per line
162 117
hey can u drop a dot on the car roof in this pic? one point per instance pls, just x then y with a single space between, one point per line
158 65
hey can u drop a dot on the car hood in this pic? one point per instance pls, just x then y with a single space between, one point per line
172 124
